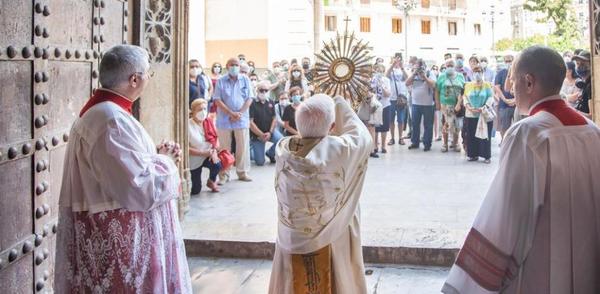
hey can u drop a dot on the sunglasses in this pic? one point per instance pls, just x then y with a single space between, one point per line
263 91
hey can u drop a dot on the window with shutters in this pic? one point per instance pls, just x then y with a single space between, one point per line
452 4
426 27
452 28
477 29
330 23
396 25
365 24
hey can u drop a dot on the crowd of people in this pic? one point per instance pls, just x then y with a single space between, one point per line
461 102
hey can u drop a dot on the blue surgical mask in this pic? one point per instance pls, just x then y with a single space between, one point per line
450 71
460 63
234 70
478 76
296 99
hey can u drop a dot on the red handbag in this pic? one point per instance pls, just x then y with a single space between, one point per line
226 158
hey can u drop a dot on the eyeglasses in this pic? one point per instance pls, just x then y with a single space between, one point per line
149 73
263 91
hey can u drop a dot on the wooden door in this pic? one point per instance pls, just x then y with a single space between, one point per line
49 53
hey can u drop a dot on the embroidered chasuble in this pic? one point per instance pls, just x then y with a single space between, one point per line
318 182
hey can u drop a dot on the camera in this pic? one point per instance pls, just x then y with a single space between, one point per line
580 83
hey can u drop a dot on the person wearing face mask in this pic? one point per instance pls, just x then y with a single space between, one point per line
215 73
307 69
263 125
399 98
423 105
245 71
478 100
197 82
582 62
204 147
506 100
277 77
381 85
233 98
489 74
285 66
282 103
461 68
289 114
296 79
448 98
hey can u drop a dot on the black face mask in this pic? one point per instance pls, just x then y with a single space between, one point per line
305 65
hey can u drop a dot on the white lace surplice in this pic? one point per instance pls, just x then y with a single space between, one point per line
118 226
120 251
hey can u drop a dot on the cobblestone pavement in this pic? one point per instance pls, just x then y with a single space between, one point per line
410 198
250 276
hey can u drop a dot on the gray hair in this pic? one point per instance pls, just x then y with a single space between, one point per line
315 116
120 62
545 64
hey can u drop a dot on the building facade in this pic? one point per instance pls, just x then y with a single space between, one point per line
269 30
429 30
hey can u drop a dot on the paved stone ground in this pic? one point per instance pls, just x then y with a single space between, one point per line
411 198
249 276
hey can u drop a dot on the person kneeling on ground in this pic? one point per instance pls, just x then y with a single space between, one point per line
203 147
263 125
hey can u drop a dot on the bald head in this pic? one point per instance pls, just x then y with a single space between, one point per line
537 73
545 65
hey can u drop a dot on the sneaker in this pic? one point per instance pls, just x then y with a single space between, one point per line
375 151
374 155
438 139
271 158
391 142
487 161
472 159
445 148
457 149
244 178
413 146
427 148
213 187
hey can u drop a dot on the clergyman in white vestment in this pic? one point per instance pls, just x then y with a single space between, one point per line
319 179
118 226
538 229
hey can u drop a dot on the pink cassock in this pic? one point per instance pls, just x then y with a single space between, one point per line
118 225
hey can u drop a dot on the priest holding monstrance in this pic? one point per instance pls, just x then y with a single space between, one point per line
319 180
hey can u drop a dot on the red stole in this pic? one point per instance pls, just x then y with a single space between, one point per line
102 95
567 115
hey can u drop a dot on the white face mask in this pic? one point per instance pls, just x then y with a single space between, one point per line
484 64
194 72
201 115
478 77
296 74
262 96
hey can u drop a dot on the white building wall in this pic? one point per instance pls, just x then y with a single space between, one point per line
197 31
236 19
290 29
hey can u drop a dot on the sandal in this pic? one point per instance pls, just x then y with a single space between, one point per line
444 149
391 142
472 159
402 142
487 161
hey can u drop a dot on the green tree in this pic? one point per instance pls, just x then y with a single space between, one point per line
504 44
561 13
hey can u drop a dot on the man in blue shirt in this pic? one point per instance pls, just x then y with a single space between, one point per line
233 99
506 103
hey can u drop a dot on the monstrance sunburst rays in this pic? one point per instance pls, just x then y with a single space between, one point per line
343 67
